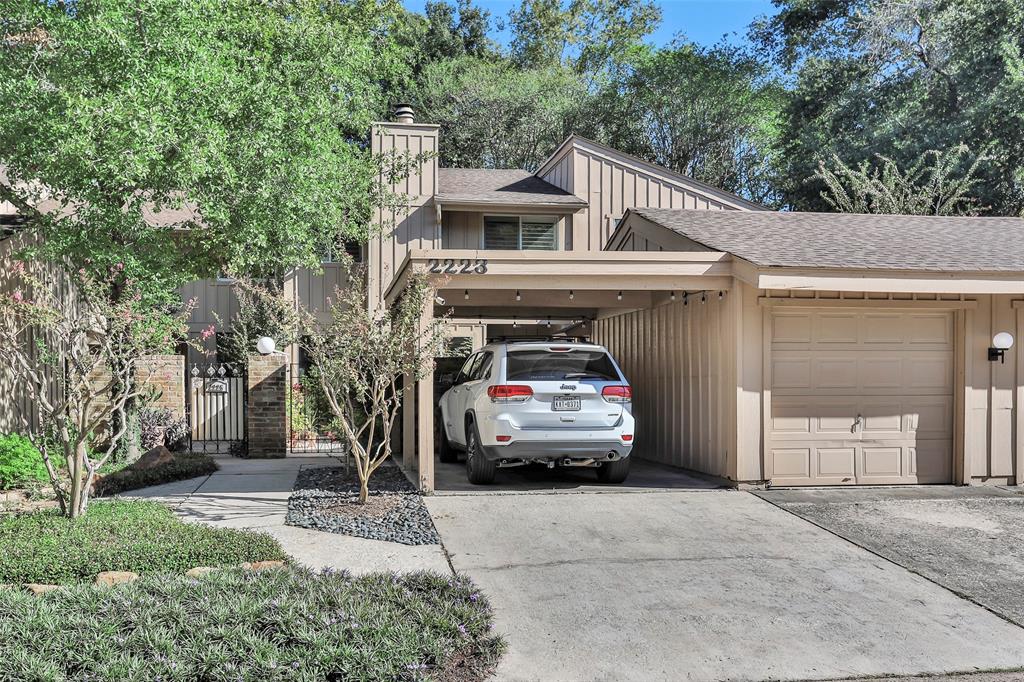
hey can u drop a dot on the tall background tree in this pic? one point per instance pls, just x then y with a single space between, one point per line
896 79
231 119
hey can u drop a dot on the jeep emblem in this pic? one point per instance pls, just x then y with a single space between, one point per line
567 387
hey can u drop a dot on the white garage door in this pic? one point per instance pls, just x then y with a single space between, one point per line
861 397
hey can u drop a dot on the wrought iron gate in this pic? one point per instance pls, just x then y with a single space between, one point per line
216 407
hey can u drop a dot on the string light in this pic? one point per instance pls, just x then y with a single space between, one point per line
518 295
703 297
619 297
673 295
465 294
572 294
686 299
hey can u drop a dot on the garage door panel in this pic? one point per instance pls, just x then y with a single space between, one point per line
931 461
908 372
836 462
867 398
833 328
881 462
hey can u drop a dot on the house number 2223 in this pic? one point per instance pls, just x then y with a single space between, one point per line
463 266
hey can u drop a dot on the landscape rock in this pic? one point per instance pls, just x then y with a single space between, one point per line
199 571
109 578
325 498
38 588
261 565
154 458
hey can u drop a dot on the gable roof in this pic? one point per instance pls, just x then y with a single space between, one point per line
500 187
851 241
682 179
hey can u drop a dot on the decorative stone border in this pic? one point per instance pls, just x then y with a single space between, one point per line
111 578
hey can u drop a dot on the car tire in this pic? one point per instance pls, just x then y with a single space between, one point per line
478 469
445 452
614 472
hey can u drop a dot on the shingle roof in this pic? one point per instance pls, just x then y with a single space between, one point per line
500 186
844 240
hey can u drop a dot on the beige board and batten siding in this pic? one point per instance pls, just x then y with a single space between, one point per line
677 359
612 182
415 225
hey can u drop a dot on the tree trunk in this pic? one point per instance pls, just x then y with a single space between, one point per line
364 489
79 490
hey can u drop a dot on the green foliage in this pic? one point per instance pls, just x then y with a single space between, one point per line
938 183
496 115
131 477
588 35
897 80
145 537
282 625
363 356
159 427
710 113
192 135
20 462
263 310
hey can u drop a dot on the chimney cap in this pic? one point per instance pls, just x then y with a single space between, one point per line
404 113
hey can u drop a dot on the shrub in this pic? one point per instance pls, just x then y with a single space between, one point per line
159 427
279 625
131 477
145 537
20 462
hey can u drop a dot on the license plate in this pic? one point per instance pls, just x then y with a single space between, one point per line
565 403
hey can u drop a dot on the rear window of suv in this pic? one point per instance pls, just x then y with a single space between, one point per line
542 364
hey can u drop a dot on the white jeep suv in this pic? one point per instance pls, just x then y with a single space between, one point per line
559 403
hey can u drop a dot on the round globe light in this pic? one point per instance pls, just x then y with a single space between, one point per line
1003 341
266 345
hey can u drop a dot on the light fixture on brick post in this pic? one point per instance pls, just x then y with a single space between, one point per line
266 345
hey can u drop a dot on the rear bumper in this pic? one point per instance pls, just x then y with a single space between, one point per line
544 450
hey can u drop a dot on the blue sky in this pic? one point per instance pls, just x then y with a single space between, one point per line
703 21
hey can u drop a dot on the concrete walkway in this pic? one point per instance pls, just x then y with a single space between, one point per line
253 493
703 585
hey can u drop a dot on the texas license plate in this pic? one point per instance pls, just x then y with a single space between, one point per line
565 403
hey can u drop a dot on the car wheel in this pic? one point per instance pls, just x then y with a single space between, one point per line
613 472
445 452
478 469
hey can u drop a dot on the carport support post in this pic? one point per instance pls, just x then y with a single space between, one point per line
425 407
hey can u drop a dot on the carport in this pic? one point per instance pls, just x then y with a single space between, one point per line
540 288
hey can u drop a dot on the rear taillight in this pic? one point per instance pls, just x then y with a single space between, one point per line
617 394
509 393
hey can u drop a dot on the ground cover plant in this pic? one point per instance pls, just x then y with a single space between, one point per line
285 624
144 537
179 468
20 462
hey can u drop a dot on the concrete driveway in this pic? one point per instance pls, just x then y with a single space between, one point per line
968 539
703 585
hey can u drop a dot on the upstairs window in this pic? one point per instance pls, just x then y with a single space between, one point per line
517 233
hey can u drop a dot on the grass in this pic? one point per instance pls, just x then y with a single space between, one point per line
277 625
182 467
144 537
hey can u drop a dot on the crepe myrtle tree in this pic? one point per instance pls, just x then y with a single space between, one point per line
76 352
363 356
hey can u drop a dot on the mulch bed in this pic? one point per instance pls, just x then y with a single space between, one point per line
327 499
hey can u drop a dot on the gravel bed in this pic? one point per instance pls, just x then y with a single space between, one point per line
327 499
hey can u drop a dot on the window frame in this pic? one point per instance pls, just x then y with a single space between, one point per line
556 221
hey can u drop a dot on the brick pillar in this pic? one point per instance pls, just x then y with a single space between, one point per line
266 412
166 375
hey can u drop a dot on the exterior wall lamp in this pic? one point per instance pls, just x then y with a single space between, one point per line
1001 342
